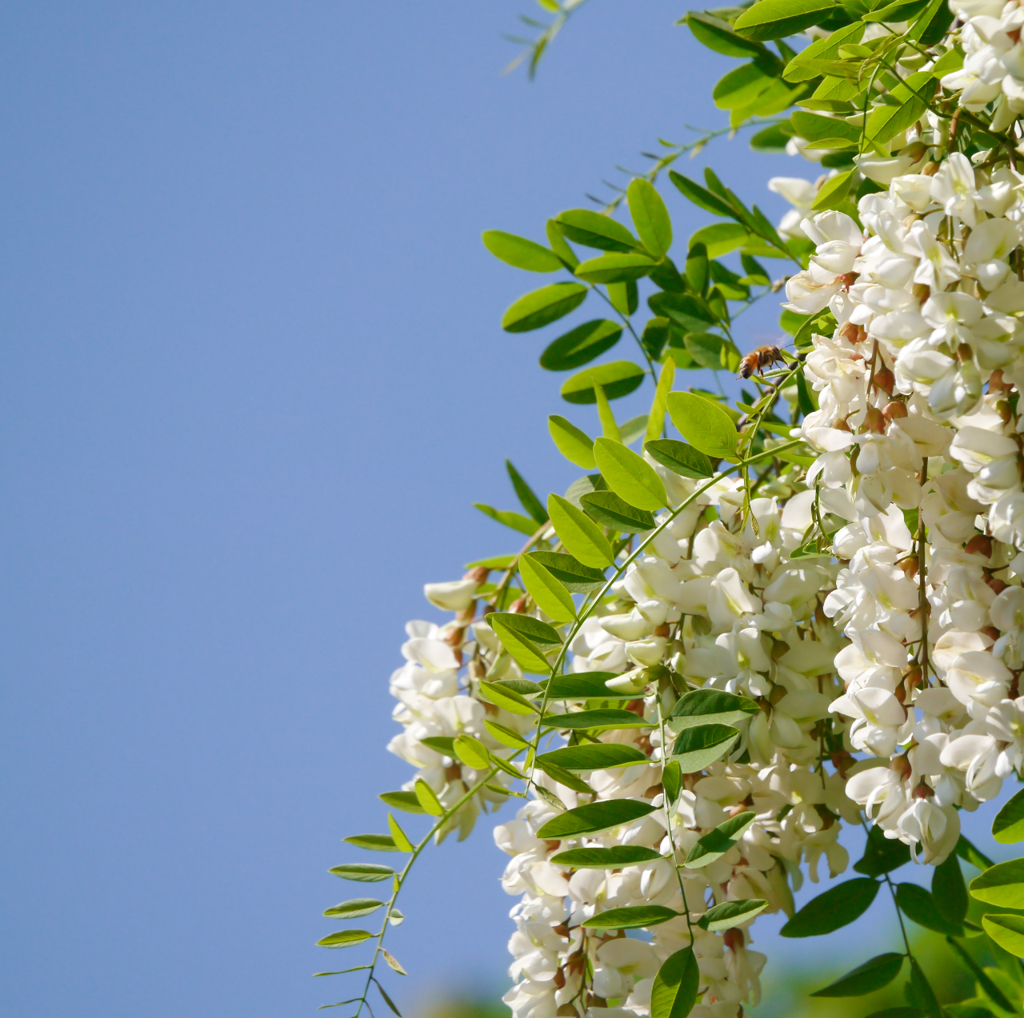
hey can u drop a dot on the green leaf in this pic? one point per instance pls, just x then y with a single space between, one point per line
594 817
575 445
771 139
680 458
775 19
719 36
705 425
550 595
559 246
672 780
393 962
516 521
697 747
629 476
427 798
949 891
650 217
815 128
710 706
917 904
505 698
405 801
826 48
969 853
520 252
564 777
355 908
443 744
603 717
1002 885
607 509
711 351
612 858
617 378
834 192
920 993
581 345
885 122
675 986
837 907
593 229
373 842
505 736
584 686
472 752
525 638
720 238
543 306
580 535
1008 826
615 267
882 854
623 296
632 917
730 914
345 938
578 578
387 1000
716 843
609 428
363 872
866 978
501 562
932 23
700 196
656 418
743 84
398 836
984 980
1006 930
596 756
524 493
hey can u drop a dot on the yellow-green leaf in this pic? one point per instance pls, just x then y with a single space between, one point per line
1006 930
582 537
705 425
575 445
550 595
631 478
402 842
650 217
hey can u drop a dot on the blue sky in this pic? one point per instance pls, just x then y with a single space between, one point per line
253 381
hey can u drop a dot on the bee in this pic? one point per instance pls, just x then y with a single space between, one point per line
758 360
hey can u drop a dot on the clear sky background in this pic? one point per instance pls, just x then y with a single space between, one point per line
253 381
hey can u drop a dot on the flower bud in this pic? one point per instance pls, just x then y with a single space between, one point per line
884 380
901 765
894 410
873 421
980 544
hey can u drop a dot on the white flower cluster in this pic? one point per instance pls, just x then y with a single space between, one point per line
433 703
993 70
869 603
917 422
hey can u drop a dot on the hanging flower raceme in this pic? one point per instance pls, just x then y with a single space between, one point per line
711 655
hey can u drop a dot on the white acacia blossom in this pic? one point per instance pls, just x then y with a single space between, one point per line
866 603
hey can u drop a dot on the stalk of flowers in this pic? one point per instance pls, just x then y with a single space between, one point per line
436 699
917 422
717 603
